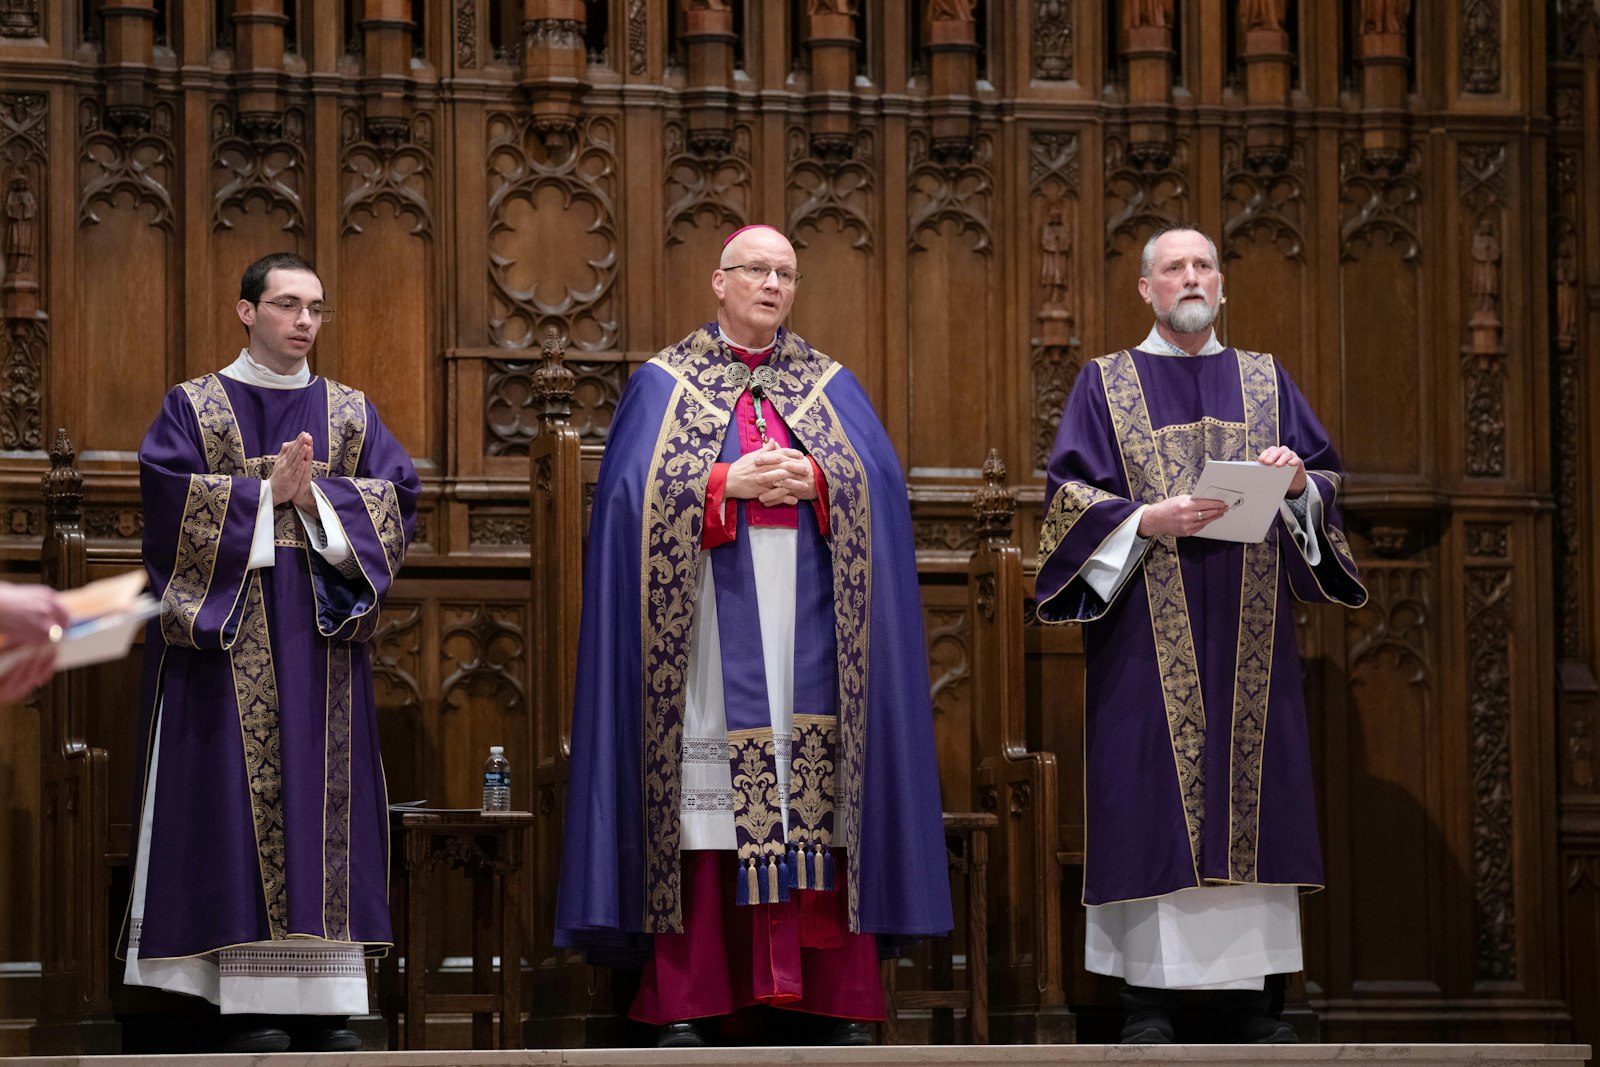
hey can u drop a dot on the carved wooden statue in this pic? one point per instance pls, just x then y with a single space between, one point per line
1055 244
1485 271
1566 293
1261 14
951 10
1138 14
1384 16
21 230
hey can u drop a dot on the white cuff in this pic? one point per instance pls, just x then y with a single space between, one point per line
325 530
1306 536
1116 559
263 547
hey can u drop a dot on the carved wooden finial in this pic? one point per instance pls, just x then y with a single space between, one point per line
994 504
63 485
553 382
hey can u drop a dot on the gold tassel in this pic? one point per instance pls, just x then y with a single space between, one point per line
753 885
800 870
772 880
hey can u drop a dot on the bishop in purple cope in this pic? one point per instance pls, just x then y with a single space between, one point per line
753 812
277 513
1200 810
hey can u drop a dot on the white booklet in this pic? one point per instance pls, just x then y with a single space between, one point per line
104 618
1250 491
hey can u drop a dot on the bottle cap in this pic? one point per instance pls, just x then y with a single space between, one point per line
497 750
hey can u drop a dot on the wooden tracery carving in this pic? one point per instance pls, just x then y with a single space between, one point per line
953 191
396 172
1480 46
841 190
1053 176
258 163
578 295
134 162
1054 36
24 162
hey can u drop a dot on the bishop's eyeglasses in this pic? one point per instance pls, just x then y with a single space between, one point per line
757 272
292 308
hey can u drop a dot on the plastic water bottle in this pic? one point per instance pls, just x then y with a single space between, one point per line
496 780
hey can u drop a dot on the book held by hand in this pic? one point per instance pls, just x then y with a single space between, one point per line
1251 493
104 617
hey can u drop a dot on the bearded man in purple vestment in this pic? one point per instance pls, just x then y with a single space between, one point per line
1200 812
753 812
277 512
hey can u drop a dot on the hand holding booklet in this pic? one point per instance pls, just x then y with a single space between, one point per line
103 618
1251 493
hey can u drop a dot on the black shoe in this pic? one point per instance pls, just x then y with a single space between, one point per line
327 1039
681 1035
1247 1018
246 1033
1149 1019
1262 1030
320 1033
848 1032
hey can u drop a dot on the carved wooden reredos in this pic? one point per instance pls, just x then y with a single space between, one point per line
1405 194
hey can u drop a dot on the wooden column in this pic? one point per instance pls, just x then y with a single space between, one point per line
130 27
1147 46
953 63
1027 998
386 32
258 63
1268 62
831 39
74 1013
1383 60
572 1001
554 67
709 37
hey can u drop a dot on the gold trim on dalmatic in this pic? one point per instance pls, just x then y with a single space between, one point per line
1258 600
195 560
255 688
336 796
1169 612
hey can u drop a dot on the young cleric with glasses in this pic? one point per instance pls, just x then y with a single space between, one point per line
277 512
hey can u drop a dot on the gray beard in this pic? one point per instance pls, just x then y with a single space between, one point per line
1189 318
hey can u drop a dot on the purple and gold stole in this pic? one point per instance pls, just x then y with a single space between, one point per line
774 857
827 735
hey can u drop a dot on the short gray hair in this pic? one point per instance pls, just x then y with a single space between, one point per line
1148 257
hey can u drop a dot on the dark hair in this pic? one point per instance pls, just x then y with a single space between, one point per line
254 282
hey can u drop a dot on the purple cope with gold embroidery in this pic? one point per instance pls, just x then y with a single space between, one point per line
270 811
620 873
1197 760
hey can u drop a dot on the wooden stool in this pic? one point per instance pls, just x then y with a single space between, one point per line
967 849
489 848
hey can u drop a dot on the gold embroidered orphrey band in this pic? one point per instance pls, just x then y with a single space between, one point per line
698 413
1161 464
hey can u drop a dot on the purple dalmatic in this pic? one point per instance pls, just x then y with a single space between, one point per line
270 814
1196 755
